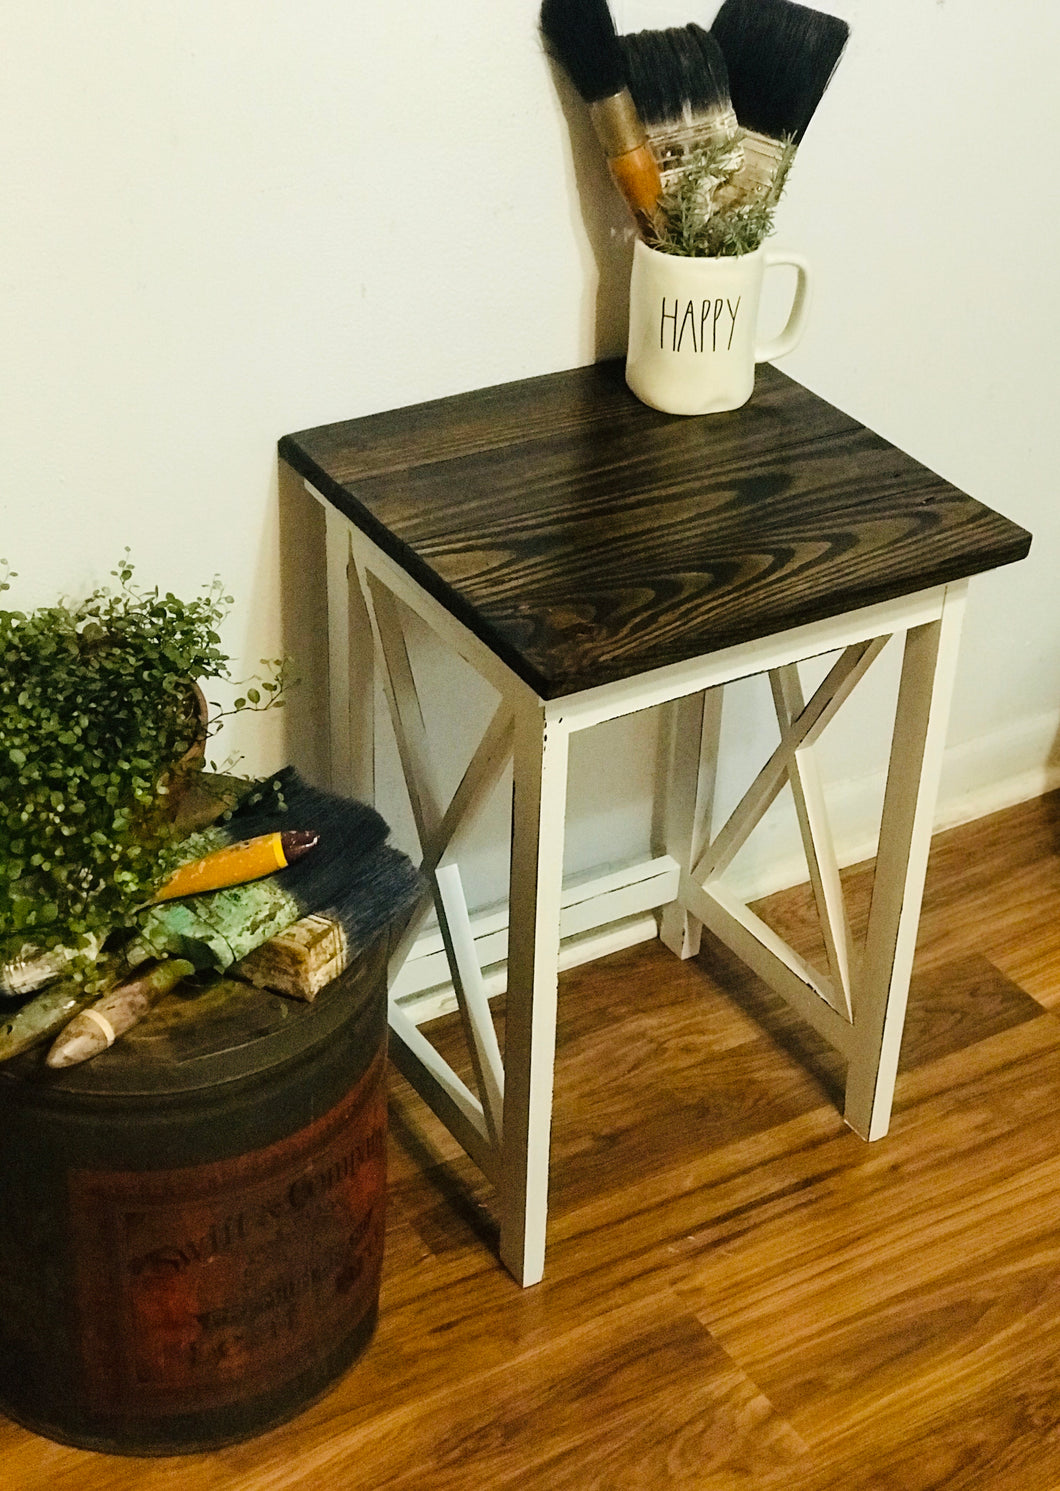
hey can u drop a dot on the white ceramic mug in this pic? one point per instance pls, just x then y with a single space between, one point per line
693 327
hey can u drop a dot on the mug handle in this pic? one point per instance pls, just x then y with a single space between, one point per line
800 307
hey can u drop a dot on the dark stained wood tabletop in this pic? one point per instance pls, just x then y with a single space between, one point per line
587 538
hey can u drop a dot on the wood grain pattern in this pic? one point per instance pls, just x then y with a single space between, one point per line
587 538
741 1294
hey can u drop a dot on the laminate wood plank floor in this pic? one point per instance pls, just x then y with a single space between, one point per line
740 1294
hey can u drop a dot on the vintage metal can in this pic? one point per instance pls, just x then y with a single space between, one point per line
191 1225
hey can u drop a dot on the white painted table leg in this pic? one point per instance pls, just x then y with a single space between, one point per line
351 674
817 840
695 732
539 800
901 863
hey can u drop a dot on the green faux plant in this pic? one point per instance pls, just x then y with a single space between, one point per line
696 220
99 724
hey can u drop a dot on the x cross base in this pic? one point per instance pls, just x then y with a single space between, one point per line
857 1004
589 557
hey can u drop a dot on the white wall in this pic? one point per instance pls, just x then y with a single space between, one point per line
229 219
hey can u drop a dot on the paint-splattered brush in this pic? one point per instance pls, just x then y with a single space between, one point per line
581 35
352 875
31 969
680 85
780 58
37 1018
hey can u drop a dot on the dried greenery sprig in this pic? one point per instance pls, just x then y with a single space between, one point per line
691 221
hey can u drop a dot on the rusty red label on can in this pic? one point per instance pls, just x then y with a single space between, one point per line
214 1283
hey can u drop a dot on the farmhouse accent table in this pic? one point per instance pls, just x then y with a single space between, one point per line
589 557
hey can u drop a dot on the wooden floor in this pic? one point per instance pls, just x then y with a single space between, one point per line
740 1293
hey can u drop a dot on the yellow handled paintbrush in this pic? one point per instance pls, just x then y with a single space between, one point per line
235 864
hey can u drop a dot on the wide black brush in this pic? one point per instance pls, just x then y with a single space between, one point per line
581 35
352 876
780 58
680 85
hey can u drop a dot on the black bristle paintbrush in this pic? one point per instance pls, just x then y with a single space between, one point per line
353 881
360 884
581 35
780 58
351 876
680 85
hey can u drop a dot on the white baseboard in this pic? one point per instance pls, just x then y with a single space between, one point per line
997 771
614 908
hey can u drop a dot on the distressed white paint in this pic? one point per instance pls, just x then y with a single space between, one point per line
859 1008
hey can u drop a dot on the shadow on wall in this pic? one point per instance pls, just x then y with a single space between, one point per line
606 220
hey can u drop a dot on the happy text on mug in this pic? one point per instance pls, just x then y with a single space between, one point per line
709 330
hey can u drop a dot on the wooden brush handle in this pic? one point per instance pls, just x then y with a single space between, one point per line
98 1027
236 864
634 168
636 174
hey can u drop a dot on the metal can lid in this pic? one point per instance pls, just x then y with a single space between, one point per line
202 1035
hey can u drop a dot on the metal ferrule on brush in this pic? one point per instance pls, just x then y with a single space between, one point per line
761 158
634 168
617 123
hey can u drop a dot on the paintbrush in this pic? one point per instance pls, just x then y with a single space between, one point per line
581 35
96 1027
780 59
352 876
206 799
42 1016
680 85
31 969
234 864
